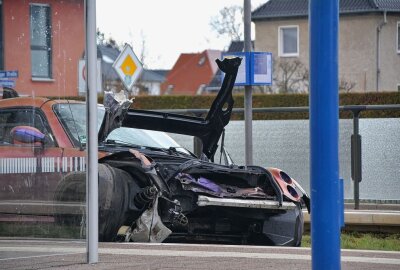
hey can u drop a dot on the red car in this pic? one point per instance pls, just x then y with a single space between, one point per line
150 188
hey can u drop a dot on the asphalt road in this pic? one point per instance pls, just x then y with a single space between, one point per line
36 254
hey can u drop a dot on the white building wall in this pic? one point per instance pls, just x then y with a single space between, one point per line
357 49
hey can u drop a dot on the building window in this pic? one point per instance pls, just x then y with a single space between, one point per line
288 41
398 37
40 41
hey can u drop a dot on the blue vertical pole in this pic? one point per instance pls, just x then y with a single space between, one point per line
324 122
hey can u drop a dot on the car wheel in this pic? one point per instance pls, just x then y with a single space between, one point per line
299 228
69 200
113 200
284 229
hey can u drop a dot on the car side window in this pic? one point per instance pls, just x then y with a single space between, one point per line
3 120
22 117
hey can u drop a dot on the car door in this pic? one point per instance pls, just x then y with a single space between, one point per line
29 171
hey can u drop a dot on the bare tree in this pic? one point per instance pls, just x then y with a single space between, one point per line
345 85
140 85
291 76
113 43
229 22
143 51
262 89
110 41
100 37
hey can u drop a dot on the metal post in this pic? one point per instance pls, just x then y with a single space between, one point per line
197 147
341 203
356 173
248 102
324 133
92 142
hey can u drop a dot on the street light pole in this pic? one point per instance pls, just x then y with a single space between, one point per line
92 208
248 100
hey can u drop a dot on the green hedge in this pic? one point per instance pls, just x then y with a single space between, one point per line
276 100
264 100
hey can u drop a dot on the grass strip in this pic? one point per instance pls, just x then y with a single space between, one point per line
349 240
367 241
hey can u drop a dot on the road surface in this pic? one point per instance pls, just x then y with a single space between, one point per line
43 254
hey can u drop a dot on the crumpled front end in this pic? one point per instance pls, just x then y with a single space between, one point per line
204 202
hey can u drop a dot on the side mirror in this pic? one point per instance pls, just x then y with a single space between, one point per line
27 135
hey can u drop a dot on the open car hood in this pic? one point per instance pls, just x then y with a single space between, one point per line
208 129
116 106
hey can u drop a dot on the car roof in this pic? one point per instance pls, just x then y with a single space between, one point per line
32 102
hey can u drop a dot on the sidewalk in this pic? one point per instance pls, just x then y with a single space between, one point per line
71 255
370 217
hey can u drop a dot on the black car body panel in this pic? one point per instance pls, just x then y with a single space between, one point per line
208 129
161 195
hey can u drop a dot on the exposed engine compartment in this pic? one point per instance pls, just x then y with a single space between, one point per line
199 201
153 194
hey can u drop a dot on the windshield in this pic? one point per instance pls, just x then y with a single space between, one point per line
73 118
144 138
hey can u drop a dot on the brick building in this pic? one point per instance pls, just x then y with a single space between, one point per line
43 40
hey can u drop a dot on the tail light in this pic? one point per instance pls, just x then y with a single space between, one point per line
286 183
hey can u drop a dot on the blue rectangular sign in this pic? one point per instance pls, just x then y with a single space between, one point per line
261 68
7 83
242 77
8 74
255 69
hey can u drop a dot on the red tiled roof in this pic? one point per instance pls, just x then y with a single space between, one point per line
190 71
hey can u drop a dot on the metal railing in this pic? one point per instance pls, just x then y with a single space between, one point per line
356 158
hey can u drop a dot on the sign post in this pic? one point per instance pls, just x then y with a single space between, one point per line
248 99
7 83
92 185
242 77
7 74
261 72
128 67
255 69
82 76
5 77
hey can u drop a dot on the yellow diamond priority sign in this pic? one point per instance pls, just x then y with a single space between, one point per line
128 67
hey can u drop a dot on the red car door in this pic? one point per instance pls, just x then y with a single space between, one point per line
29 172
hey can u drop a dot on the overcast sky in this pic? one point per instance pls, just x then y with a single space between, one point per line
169 27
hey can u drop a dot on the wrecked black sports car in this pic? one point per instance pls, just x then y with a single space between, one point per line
152 190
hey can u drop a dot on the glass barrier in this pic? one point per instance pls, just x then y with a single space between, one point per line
380 159
285 144
42 139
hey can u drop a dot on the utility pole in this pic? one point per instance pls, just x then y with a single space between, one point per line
248 101
92 186
324 133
